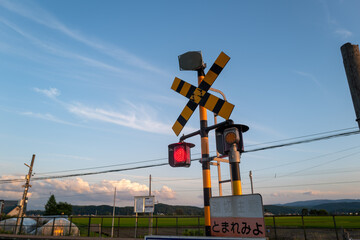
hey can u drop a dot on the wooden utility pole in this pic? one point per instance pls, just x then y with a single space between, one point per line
151 214
113 217
251 181
351 58
23 201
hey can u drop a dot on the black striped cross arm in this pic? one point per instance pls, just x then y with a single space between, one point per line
200 96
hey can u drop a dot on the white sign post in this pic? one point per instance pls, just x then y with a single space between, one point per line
237 216
143 204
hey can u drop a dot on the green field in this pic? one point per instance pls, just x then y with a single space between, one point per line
315 221
142 222
283 221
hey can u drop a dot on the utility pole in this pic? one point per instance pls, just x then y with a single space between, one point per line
23 201
112 225
351 58
251 181
151 214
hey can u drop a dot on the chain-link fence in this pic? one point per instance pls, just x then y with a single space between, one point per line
277 227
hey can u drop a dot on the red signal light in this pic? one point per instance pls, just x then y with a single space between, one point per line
179 154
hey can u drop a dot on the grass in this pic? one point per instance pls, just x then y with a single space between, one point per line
142 221
280 221
315 221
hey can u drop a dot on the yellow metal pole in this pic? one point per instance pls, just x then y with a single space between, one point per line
205 161
234 160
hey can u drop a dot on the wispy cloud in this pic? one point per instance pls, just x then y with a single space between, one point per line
40 16
334 24
309 76
140 117
58 51
136 117
51 92
343 33
48 117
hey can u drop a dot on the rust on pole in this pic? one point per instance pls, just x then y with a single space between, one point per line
351 59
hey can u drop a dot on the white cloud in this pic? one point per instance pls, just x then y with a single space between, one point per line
51 92
48 117
344 33
44 18
58 51
165 193
77 191
309 76
136 116
140 117
334 24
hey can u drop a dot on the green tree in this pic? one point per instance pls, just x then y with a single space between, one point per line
51 206
304 211
322 212
313 212
64 208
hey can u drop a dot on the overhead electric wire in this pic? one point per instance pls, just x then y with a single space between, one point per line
163 164
105 166
304 160
304 141
309 135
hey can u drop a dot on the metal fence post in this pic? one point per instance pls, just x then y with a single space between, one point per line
37 225
118 234
177 229
53 226
101 225
303 225
89 226
70 226
274 227
157 225
198 224
337 236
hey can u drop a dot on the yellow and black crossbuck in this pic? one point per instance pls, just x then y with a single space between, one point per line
200 96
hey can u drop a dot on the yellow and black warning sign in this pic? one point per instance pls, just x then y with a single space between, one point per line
200 96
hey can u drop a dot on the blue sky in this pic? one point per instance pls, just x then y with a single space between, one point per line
86 84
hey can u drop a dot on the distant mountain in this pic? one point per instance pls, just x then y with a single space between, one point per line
311 203
108 210
282 210
340 206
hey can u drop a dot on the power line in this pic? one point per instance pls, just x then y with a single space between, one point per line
309 184
163 164
310 135
88 173
105 166
305 141
152 160
308 159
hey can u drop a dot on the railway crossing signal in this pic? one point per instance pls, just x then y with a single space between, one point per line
179 154
226 136
200 96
